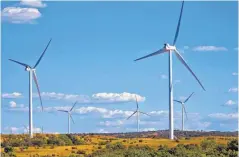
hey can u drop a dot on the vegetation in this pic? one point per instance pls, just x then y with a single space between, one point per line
74 145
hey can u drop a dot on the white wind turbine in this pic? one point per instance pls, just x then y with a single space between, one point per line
69 116
32 72
183 109
170 49
26 129
138 113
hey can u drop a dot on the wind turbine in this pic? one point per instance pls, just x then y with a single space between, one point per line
138 112
26 128
32 72
183 108
69 116
170 49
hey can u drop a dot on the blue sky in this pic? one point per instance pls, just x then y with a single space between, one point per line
91 58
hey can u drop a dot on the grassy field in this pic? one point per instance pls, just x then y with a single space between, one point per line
98 142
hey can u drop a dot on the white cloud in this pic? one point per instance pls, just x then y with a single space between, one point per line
163 76
234 73
103 112
117 97
19 15
33 3
230 103
234 90
13 104
12 129
26 129
102 131
224 116
111 123
148 129
209 48
11 95
95 98
186 47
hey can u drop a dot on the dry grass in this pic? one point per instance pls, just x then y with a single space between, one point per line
96 140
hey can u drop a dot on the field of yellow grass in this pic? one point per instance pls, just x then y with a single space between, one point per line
97 142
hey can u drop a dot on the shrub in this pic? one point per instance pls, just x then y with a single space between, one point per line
140 140
73 147
233 145
81 152
8 149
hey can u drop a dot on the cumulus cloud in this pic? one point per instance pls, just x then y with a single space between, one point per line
234 73
95 98
33 3
224 116
11 95
12 104
20 15
233 90
163 76
148 129
26 129
186 47
230 103
111 123
209 48
102 131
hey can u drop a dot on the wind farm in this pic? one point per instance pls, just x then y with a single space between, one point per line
90 71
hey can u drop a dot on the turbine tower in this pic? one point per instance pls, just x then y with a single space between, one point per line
170 49
183 108
138 112
69 116
32 72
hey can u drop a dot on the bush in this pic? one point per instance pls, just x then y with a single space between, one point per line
8 149
233 145
73 147
140 140
115 146
81 152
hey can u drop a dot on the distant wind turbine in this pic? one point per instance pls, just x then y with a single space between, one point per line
183 108
138 112
69 116
32 72
169 49
26 128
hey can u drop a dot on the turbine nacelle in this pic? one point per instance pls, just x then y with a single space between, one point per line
168 47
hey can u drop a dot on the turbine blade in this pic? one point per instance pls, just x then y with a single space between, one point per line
42 54
178 27
63 111
38 89
72 119
26 127
23 64
131 115
178 101
185 64
185 111
136 102
189 97
73 106
144 113
152 54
